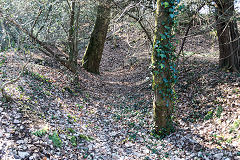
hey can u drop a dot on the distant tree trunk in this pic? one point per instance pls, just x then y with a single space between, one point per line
73 37
228 36
162 104
92 57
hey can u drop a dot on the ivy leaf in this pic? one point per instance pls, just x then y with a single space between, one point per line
163 56
162 36
166 27
167 104
165 80
171 10
162 66
166 33
166 4
155 72
171 15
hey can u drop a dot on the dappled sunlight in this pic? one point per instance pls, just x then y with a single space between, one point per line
59 108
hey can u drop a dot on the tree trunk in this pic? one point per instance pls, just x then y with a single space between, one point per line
73 37
227 33
92 57
235 41
162 104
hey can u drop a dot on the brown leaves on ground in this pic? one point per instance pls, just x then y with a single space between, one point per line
115 106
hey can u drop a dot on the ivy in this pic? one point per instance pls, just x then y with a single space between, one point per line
172 16
165 4
164 65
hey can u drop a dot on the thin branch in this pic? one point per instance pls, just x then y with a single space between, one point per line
35 21
48 13
138 19
56 56
187 31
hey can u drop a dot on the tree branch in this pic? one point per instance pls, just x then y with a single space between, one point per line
187 31
58 56
35 21
139 20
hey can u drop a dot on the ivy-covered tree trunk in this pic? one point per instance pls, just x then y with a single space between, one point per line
92 57
227 32
163 67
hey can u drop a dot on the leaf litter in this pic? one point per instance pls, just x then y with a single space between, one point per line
109 116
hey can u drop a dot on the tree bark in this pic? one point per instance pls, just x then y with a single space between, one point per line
73 52
228 36
92 57
162 106
235 41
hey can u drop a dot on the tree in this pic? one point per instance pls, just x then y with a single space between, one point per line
92 57
73 36
163 67
54 28
228 36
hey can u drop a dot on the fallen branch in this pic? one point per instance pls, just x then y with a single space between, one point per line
7 97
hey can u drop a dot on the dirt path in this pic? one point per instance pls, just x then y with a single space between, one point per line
109 116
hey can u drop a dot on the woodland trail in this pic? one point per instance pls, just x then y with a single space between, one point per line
109 116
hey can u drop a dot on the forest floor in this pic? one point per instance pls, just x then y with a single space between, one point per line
56 115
